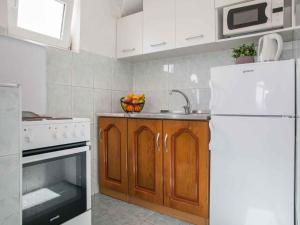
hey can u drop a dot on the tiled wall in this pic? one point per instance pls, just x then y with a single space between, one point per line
80 85
10 155
189 74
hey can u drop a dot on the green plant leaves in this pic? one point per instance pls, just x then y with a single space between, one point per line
244 50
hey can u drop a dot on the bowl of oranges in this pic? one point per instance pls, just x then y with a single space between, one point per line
133 103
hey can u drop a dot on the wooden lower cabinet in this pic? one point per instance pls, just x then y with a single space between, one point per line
186 166
145 160
168 165
113 156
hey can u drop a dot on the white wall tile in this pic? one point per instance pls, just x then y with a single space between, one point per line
82 102
56 75
103 73
102 101
59 58
59 102
122 76
82 70
82 75
116 96
155 100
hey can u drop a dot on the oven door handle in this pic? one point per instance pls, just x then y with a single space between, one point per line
53 155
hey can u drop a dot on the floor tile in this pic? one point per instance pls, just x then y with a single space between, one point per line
109 211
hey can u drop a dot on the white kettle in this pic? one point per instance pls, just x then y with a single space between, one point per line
270 47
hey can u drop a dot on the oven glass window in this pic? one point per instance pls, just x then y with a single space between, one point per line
248 16
54 191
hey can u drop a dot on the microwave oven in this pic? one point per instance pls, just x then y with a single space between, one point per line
253 16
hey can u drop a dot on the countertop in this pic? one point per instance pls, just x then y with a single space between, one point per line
166 116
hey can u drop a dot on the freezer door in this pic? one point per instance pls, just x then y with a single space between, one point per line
254 89
252 171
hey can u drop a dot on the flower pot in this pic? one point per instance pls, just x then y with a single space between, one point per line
244 59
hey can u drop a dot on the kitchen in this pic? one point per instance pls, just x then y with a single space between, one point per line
170 51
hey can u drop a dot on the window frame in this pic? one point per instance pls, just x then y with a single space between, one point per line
19 32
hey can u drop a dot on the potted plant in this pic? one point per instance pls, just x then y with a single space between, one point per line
244 53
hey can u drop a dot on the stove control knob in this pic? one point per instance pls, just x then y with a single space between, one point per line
55 135
28 139
65 135
75 134
82 133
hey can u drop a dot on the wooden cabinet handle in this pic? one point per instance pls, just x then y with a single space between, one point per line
166 143
100 134
157 141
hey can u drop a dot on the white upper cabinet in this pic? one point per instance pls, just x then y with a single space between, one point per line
195 22
159 25
222 3
130 35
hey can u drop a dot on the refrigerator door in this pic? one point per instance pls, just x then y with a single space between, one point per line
252 171
254 89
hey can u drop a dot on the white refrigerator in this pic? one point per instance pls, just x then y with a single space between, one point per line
253 144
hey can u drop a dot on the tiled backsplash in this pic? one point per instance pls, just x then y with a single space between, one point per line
189 74
80 85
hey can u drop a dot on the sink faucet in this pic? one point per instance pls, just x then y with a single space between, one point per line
187 107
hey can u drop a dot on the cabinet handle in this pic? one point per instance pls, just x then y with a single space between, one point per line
166 143
128 50
157 141
100 134
158 44
194 37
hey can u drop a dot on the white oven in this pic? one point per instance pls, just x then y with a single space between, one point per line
56 171
253 16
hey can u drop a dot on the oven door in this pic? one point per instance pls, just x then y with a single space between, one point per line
247 17
56 185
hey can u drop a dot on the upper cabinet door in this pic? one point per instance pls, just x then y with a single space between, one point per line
195 22
130 35
159 25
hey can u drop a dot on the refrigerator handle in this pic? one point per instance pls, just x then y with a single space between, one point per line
212 95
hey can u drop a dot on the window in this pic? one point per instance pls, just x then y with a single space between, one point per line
44 21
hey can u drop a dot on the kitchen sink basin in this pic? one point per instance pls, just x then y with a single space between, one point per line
200 112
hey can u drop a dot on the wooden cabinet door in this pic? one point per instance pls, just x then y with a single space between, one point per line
195 22
145 160
186 166
130 35
113 155
159 25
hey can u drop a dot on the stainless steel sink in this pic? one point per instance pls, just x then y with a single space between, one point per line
194 112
